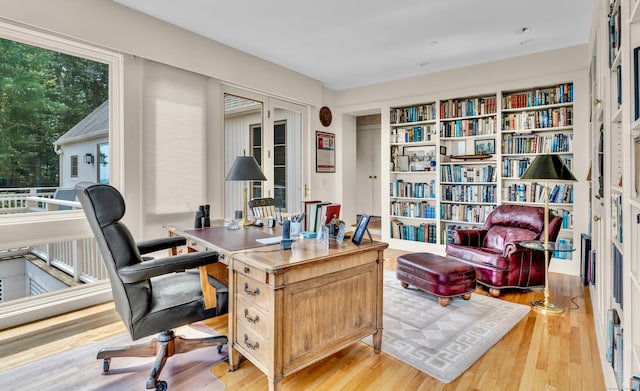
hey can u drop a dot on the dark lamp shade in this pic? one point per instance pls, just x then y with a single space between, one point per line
548 167
245 168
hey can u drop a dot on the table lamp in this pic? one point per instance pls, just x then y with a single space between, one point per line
245 168
547 168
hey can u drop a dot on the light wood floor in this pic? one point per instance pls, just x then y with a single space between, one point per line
552 352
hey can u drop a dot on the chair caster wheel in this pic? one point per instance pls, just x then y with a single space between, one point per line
161 386
106 363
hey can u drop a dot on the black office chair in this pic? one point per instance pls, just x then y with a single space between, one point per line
151 295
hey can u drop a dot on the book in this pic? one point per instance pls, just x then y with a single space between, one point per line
331 210
308 208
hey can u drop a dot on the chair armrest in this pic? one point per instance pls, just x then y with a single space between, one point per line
149 246
157 267
469 237
511 248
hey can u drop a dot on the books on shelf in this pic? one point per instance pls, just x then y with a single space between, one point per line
467 174
400 188
469 193
468 107
416 113
426 232
538 119
561 93
536 143
468 127
465 213
535 192
414 134
421 209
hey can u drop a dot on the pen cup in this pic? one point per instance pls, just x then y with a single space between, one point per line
295 228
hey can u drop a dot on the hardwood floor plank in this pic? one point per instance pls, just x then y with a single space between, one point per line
542 352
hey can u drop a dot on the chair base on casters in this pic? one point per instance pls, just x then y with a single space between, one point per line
165 345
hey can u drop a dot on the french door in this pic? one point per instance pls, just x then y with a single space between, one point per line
274 132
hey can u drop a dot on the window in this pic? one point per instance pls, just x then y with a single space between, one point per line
74 166
256 151
103 163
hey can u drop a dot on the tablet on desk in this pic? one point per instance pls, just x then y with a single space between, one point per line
360 229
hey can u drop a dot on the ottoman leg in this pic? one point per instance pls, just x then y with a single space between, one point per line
494 292
466 296
404 284
443 301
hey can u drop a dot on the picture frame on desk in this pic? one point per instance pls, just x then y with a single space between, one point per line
361 228
485 146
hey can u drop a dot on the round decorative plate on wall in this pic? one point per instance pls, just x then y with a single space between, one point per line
325 116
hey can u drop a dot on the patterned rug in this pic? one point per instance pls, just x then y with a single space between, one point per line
442 342
78 369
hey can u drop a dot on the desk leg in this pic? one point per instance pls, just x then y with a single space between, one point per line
274 385
377 341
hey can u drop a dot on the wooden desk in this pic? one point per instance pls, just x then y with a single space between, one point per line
291 308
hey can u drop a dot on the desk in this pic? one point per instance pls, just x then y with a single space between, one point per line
291 308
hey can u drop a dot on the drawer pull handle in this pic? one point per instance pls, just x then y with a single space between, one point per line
250 292
251 320
252 347
246 270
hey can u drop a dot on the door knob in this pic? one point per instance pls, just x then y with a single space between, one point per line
596 218
370 177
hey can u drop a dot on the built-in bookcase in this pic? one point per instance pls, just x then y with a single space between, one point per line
536 121
468 128
413 173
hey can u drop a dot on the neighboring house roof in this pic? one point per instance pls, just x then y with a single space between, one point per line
96 124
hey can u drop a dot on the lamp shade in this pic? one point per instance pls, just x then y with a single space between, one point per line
245 168
548 167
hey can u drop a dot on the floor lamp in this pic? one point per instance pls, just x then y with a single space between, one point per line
547 168
245 168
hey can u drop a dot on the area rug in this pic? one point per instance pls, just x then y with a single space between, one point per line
442 342
78 368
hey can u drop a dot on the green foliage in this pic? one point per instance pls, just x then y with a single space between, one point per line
43 94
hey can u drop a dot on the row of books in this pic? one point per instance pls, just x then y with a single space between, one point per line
536 143
615 338
564 247
561 93
468 127
467 174
421 233
469 193
614 32
454 108
400 188
514 167
567 218
413 114
413 134
318 213
536 192
412 209
616 217
538 119
466 213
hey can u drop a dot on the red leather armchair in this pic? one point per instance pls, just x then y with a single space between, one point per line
494 251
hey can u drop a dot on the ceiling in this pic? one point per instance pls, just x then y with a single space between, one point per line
351 43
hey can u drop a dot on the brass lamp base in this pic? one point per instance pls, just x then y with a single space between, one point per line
545 307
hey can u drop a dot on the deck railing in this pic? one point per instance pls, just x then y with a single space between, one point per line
79 258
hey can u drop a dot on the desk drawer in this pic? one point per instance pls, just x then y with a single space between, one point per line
254 345
253 291
250 271
253 317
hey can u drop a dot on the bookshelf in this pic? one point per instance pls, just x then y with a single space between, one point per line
413 173
614 203
536 121
467 186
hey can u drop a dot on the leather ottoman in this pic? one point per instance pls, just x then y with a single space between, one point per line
440 276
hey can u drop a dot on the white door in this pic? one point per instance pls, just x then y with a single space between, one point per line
368 169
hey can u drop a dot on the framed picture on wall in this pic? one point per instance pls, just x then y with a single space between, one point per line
325 152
